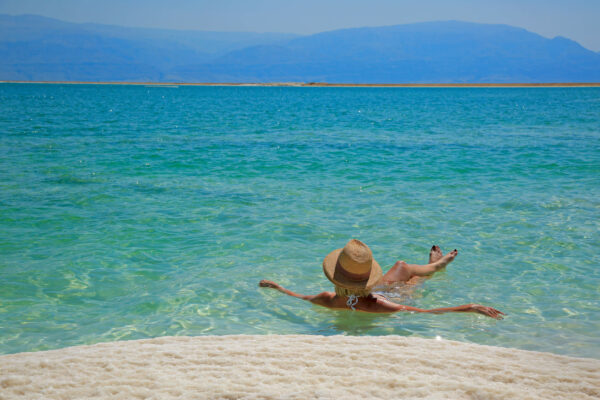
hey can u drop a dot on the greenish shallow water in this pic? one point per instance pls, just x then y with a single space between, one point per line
130 212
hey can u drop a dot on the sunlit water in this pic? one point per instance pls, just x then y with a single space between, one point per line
131 212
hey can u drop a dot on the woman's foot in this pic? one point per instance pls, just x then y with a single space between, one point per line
435 254
447 259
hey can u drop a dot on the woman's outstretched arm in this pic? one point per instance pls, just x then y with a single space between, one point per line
475 308
322 299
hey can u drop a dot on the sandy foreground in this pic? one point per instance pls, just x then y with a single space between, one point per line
295 367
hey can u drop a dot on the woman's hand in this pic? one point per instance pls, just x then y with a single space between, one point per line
269 284
489 311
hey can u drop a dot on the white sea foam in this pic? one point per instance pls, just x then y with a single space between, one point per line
295 367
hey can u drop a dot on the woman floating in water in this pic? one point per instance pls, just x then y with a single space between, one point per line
354 273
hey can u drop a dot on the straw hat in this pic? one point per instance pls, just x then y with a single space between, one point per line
352 267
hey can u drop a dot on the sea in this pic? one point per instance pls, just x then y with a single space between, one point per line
132 211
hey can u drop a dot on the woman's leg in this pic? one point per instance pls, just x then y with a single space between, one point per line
435 254
409 273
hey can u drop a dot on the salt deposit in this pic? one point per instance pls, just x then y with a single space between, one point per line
295 367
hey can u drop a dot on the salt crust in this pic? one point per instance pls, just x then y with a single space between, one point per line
295 367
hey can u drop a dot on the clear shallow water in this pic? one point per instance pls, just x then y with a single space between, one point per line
129 212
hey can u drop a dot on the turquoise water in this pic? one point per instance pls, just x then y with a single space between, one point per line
130 212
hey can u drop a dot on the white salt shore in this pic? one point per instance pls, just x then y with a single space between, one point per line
295 367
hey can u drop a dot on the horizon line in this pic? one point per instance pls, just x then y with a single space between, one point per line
316 84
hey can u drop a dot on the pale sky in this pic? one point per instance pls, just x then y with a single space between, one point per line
574 19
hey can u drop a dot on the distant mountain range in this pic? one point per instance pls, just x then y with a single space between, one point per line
44 49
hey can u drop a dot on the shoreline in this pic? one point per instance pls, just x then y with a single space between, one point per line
324 84
295 367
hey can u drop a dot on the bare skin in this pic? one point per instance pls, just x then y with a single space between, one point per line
400 272
435 253
375 303
410 273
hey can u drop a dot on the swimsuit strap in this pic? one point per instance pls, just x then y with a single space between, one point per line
351 302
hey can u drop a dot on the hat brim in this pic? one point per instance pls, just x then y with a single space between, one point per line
331 270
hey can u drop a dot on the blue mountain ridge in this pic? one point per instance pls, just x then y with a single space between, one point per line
38 48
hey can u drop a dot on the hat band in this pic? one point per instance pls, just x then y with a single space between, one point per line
352 276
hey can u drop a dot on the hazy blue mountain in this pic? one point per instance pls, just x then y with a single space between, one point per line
424 52
38 48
